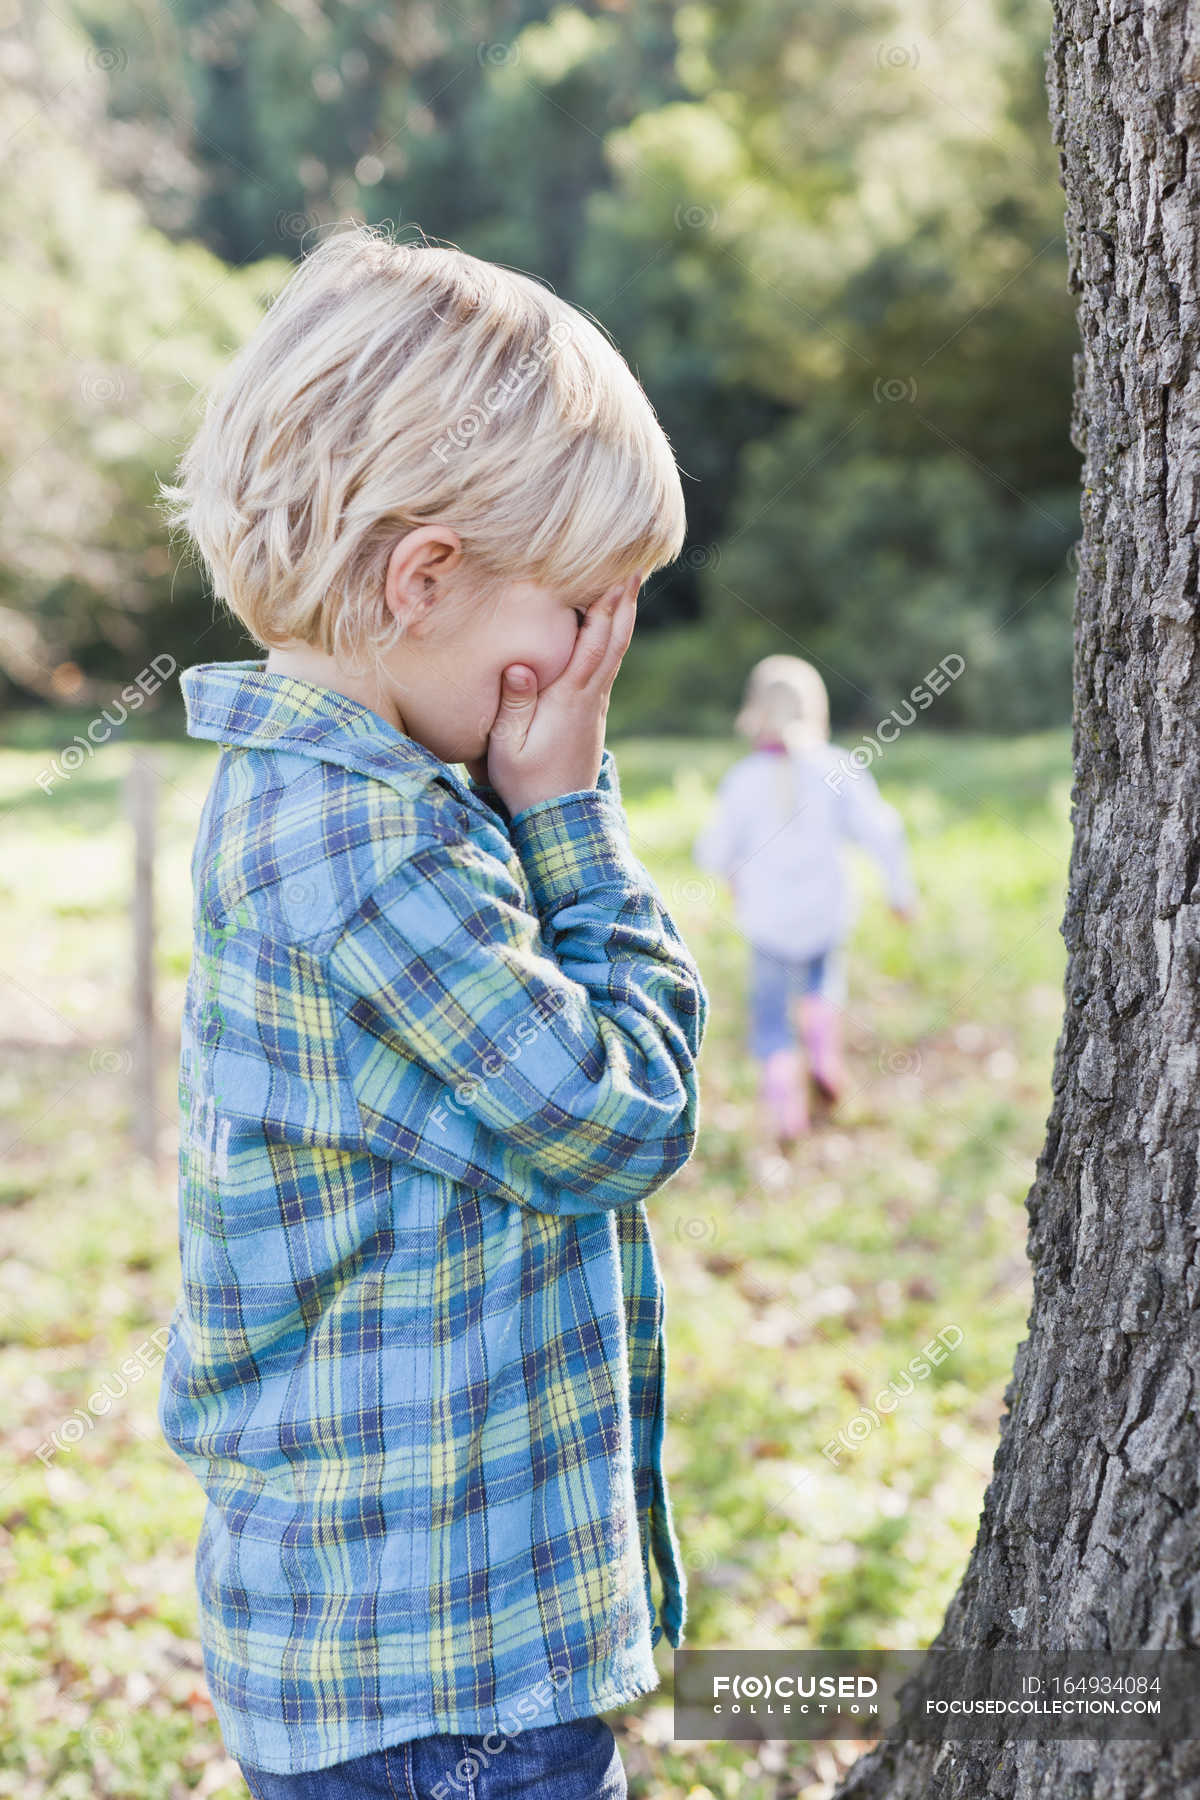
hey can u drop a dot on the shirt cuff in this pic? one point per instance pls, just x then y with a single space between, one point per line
607 782
576 842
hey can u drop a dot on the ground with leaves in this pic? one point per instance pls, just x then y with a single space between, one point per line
793 1297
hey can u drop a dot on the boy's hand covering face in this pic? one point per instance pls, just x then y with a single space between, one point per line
547 743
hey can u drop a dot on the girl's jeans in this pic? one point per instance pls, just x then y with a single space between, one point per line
575 1761
774 980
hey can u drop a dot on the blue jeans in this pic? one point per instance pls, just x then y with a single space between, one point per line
774 980
575 1761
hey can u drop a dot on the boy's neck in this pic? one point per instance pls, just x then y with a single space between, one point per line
307 663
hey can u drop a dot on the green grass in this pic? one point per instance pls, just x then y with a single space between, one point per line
789 1307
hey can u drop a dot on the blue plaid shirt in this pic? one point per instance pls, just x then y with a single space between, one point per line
434 1058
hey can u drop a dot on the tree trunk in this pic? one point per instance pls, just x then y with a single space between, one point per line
1089 1534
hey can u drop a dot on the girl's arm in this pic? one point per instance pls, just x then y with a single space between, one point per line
544 1053
868 819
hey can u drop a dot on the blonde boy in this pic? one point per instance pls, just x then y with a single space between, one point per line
439 1044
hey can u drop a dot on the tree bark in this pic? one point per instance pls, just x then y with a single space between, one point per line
1089 1537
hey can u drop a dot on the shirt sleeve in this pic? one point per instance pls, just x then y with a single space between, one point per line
868 820
546 1055
607 782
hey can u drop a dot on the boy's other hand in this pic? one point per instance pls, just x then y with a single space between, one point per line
545 744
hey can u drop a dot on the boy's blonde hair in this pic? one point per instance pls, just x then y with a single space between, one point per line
393 385
785 698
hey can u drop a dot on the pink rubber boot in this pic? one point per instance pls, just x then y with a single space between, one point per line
821 1025
782 1089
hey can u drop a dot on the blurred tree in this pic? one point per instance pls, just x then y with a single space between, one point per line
826 241
108 332
871 256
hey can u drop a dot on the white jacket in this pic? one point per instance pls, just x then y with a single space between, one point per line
791 892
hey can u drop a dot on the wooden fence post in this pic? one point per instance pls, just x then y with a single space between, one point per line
141 797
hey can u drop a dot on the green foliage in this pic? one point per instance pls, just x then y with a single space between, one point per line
108 332
829 241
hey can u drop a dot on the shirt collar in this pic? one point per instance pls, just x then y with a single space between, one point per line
243 703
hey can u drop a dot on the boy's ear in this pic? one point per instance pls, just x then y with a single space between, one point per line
417 568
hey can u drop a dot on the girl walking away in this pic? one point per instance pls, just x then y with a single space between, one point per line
781 815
